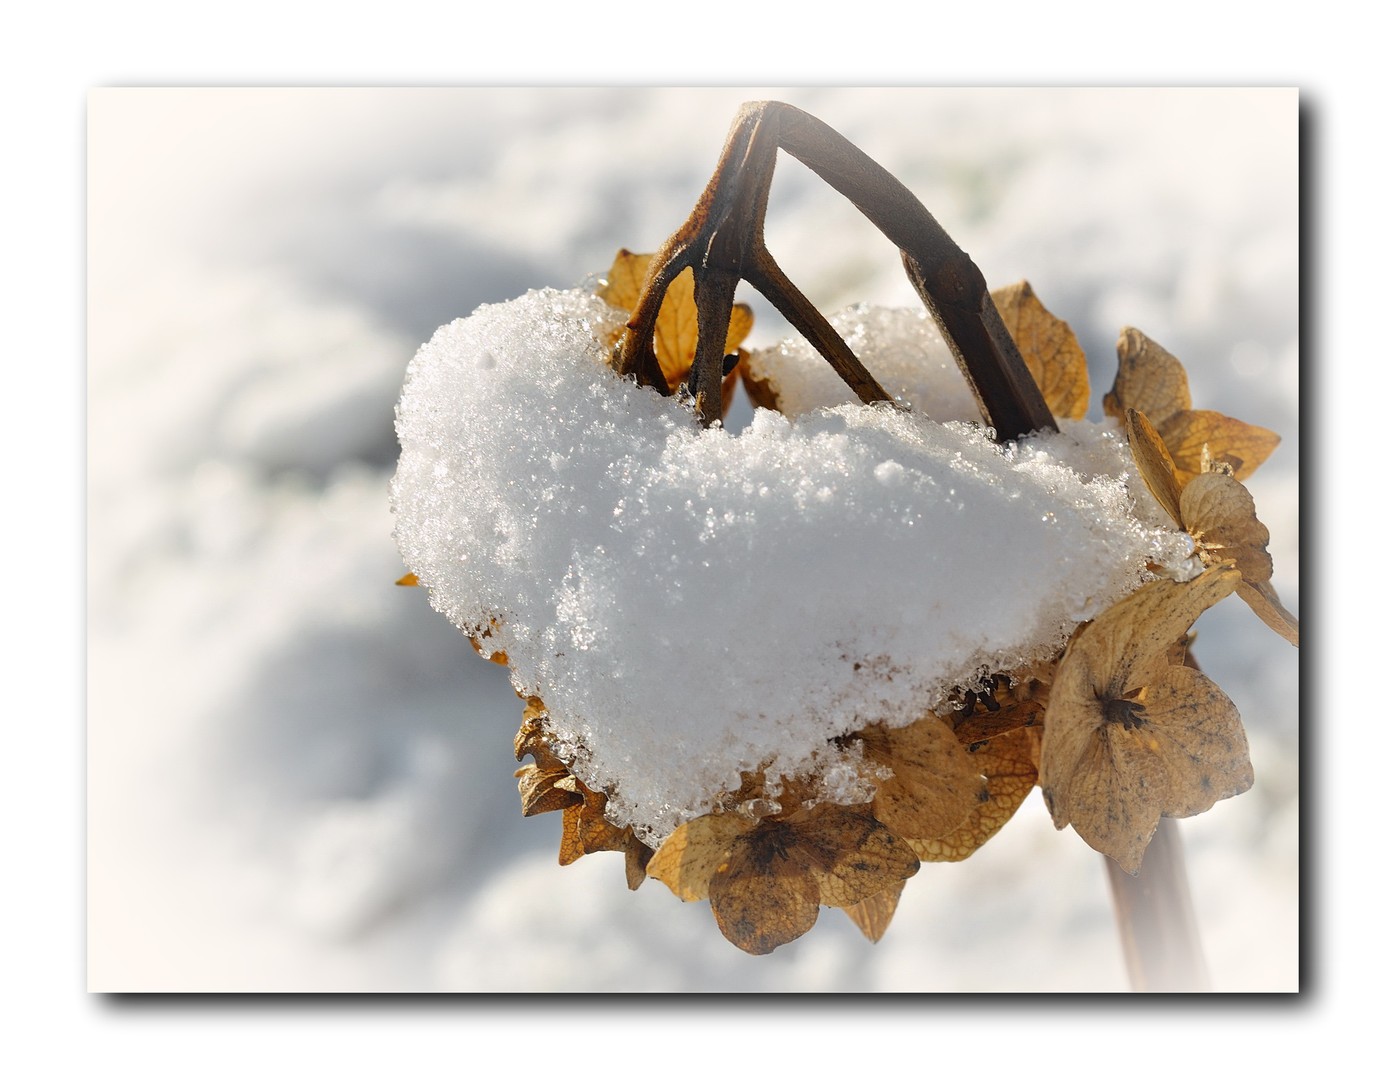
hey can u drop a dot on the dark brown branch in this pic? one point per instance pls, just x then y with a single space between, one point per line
723 240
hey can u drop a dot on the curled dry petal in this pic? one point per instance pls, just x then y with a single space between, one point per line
872 915
935 785
851 854
676 326
692 853
1153 460
1148 378
1263 599
1220 515
1200 434
1010 763
1049 348
1153 381
766 880
760 902
1129 736
778 873
543 790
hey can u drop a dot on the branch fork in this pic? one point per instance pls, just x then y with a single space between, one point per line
723 241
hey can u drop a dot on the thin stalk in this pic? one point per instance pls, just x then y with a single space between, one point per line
1155 918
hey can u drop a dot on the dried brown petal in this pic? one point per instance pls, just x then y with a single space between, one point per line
761 900
1010 762
873 914
850 854
638 857
1192 435
1148 378
1129 736
690 856
1220 515
935 783
1049 348
1263 599
1153 460
543 790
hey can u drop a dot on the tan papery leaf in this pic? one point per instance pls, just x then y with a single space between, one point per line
1220 515
1153 460
1264 600
1049 348
693 852
873 914
544 790
761 901
851 854
1129 736
638 857
676 327
1148 378
1196 435
935 783
1010 763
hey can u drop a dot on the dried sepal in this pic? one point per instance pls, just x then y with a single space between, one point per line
532 738
765 880
1049 348
934 785
1010 763
1130 737
1148 378
872 916
547 785
1201 434
1153 461
543 790
1265 601
676 327
1154 382
692 853
1219 515
587 830
761 390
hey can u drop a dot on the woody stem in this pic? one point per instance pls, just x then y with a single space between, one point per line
723 240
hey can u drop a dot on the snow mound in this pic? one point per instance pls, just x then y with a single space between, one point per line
691 604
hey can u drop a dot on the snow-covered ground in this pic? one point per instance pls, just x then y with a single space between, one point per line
300 775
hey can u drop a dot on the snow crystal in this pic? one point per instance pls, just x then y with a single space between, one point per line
691 604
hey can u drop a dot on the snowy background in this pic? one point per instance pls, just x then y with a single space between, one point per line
299 776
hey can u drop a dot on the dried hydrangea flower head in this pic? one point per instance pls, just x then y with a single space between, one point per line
754 663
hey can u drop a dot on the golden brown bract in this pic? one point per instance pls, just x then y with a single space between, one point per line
1049 348
1150 379
1219 515
1130 736
676 327
765 880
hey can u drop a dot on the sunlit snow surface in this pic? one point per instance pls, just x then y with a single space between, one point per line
694 605
300 775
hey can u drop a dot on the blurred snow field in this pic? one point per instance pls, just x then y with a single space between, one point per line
300 775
